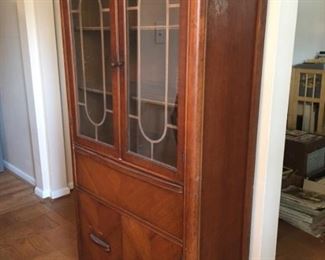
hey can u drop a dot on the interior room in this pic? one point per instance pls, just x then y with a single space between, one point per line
124 133
302 207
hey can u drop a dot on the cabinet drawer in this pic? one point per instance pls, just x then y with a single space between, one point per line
105 234
159 206
100 230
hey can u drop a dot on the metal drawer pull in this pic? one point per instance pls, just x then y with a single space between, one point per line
100 243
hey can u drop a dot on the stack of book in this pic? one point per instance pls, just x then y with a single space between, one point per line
304 210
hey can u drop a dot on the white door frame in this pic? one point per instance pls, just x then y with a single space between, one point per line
64 97
41 62
276 75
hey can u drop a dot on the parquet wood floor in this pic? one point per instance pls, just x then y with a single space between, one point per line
31 228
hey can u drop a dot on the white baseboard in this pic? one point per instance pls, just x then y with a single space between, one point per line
71 185
19 172
60 193
38 191
51 194
43 194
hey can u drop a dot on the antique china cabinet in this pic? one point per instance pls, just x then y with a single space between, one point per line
163 101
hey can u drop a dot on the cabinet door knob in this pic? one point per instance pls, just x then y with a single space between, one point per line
100 242
114 65
117 64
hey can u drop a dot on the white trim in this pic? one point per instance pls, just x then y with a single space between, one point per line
60 193
55 194
34 85
25 176
71 185
43 194
64 98
44 12
278 54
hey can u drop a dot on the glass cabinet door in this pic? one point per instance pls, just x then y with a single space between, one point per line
153 31
92 37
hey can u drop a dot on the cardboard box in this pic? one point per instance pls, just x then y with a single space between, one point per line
315 186
305 153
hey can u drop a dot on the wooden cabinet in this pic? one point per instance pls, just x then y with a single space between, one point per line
163 98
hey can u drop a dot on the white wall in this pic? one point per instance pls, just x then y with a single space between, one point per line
310 33
14 120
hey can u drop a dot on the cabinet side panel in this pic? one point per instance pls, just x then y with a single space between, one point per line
235 33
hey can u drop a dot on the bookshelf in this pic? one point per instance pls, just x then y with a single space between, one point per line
307 98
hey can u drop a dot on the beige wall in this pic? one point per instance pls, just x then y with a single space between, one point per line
14 122
310 31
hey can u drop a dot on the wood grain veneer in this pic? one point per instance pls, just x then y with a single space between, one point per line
157 205
232 79
126 237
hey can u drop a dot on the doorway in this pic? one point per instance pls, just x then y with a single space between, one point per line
34 128
302 204
282 50
32 137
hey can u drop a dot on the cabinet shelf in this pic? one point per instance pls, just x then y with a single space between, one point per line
96 91
154 27
154 102
132 28
174 5
136 8
90 28
145 100
104 10
168 125
82 104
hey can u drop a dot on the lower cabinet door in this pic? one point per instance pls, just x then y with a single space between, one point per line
106 234
100 234
142 243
